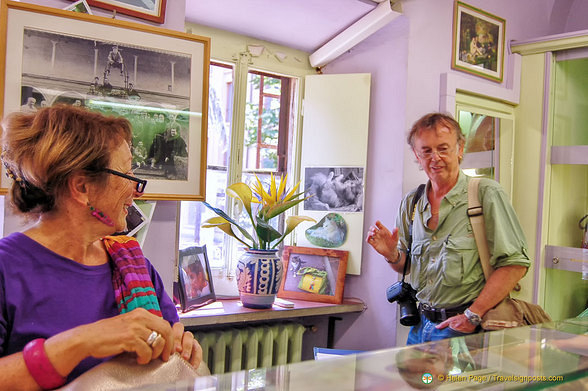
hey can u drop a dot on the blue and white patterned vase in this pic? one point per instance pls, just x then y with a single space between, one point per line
259 273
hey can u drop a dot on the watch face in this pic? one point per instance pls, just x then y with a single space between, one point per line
472 317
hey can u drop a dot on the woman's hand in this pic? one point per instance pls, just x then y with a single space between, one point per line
129 332
186 345
383 241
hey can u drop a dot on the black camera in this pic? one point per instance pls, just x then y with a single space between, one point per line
405 295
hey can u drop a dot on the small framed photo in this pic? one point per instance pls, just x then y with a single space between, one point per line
79 6
195 279
153 10
313 274
136 220
478 42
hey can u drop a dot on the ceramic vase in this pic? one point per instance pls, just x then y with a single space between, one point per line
259 273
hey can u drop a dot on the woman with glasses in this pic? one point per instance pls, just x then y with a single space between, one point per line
444 264
71 295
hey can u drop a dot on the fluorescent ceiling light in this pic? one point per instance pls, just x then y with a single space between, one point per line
354 34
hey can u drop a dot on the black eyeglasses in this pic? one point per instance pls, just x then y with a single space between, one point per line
141 183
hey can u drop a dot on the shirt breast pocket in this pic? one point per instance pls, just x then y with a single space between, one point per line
461 265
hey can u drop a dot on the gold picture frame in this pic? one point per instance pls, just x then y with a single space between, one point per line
160 85
153 11
478 42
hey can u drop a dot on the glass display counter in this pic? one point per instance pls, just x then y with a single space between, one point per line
549 356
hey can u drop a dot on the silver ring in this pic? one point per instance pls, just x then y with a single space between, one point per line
152 338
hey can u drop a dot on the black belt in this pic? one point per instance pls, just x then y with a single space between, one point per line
440 314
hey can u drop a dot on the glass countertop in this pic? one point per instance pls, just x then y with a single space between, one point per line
548 356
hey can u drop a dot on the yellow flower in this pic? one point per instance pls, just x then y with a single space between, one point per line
273 202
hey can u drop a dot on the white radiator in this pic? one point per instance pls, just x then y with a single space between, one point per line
236 349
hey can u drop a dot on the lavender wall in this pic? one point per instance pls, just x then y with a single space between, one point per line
407 59
385 56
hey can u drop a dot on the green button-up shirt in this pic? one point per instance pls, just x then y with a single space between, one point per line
445 266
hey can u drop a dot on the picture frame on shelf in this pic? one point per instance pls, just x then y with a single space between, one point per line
195 286
118 68
153 10
478 42
79 6
313 274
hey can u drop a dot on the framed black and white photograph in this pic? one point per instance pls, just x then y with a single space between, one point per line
194 278
156 78
153 10
79 6
334 189
313 274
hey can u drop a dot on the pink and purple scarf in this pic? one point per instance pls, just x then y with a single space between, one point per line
132 283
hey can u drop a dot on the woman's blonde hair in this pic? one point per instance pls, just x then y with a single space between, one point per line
43 149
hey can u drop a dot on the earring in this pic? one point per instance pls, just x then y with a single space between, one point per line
100 215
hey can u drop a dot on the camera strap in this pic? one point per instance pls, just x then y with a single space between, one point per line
417 196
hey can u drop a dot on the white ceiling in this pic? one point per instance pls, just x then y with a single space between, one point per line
299 24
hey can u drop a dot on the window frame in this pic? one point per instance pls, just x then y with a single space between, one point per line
504 135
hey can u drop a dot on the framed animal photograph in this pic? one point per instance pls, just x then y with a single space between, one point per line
478 42
313 274
153 10
194 278
336 189
156 78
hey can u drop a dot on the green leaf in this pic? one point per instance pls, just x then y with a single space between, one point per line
266 233
223 226
230 220
242 192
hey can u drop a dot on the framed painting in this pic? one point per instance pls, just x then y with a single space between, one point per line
478 42
155 78
79 6
153 10
194 279
313 274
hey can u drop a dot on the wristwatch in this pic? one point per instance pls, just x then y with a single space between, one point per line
472 317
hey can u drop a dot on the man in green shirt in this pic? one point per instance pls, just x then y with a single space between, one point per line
445 267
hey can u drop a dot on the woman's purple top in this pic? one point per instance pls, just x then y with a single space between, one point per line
43 294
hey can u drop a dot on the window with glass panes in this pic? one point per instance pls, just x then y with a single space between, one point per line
264 146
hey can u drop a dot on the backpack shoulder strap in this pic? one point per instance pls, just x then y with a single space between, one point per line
417 196
476 215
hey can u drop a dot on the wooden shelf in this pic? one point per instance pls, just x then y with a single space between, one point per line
231 311
566 258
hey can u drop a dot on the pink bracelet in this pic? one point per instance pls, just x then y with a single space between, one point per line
39 365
